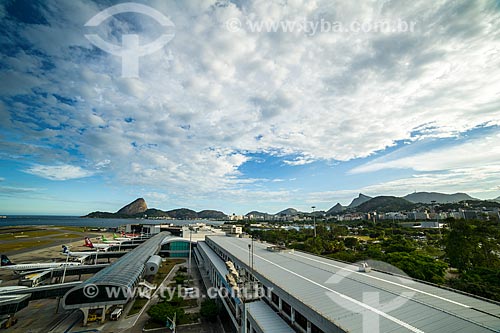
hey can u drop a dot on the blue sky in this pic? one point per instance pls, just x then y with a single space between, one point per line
229 118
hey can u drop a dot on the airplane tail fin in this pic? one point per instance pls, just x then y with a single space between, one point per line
115 236
65 249
6 261
104 239
88 242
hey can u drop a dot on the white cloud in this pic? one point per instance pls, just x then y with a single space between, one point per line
477 153
212 96
301 160
59 172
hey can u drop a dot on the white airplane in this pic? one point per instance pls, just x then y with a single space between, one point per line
88 243
121 239
7 264
81 255
109 241
12 288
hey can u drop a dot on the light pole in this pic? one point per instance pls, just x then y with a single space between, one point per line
314 220
250 258
189 260
65 267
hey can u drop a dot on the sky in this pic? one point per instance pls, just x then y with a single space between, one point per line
245 105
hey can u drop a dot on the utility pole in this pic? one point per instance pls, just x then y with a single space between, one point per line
314 220
189 261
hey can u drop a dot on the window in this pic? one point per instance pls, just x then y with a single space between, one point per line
275 299
315 329
301 320
286 308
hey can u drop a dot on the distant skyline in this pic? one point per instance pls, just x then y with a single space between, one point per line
229 118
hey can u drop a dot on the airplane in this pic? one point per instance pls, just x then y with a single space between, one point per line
88 243
66 251
121 239
7 264
109 241
12 288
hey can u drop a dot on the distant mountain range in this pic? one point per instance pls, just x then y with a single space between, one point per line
288 212
139 208
362 203
440 198
385 204
361 199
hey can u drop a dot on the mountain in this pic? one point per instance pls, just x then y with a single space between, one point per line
139 209
440 198
385 204
211 214
259 215
153 212
359 200
135 207
335 209
182 214
288 212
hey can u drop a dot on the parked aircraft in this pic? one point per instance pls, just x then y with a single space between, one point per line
109 241
83 254
8 264
121 239
88 243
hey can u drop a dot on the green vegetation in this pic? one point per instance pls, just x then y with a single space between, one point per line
209 310
165 268
162 311
473 247
138 305
24 245
180 278
468 250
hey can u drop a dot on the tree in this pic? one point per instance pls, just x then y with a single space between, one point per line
418 266
351 242
209 310
314 245
458 246
164 311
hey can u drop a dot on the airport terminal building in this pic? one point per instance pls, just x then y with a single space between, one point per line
310 294
264 288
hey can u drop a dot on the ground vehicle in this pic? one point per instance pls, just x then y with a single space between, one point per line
116 314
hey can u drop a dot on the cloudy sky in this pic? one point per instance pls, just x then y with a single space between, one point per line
247 106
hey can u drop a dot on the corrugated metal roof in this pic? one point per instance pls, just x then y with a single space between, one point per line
266 319
123 273
339 293
218 263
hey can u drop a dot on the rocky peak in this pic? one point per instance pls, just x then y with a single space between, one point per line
135 207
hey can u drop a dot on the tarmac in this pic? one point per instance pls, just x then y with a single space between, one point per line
45 316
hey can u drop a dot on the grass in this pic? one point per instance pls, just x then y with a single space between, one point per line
67 235
73 229
25 244
151 324
138 305
190 303
165 268
28 234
